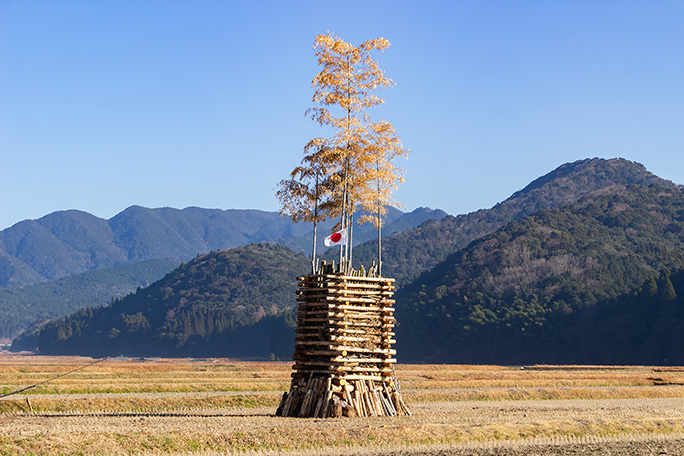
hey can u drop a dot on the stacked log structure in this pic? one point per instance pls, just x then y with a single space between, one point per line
344 360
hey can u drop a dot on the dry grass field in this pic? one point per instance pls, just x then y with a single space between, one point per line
220 406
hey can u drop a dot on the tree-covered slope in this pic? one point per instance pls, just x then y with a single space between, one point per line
501 298
22 306
235 302
644 327
408 253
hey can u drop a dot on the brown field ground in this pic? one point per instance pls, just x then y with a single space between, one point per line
219 406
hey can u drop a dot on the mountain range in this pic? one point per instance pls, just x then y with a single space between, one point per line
529 280
70 242
69 259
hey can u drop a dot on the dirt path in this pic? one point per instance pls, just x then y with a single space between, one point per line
639 447
525 428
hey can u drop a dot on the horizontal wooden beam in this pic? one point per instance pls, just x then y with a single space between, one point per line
339 277
323 298
345 290
340 323
348 349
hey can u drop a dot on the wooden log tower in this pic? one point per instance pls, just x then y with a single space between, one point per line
344 361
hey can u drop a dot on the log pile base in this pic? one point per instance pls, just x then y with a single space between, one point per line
325 397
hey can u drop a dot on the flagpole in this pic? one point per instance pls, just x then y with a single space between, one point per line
315 223
349 240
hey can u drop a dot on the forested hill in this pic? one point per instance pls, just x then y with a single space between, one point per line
408 253
508 297
643 327
33 304
233 303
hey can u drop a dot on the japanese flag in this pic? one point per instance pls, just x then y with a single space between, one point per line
337 238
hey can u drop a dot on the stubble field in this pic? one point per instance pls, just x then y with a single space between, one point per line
219 406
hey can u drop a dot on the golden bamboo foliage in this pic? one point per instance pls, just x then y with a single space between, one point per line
382 177
353 168
301 195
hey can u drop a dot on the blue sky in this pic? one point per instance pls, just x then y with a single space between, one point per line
105 104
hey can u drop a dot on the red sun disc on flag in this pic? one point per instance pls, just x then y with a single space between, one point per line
335 237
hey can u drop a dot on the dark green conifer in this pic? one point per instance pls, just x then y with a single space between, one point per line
666 290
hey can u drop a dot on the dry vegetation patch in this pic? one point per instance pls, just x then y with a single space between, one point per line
219 406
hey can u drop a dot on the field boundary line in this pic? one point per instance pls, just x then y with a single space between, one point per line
97 361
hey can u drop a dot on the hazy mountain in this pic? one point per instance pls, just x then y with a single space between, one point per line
70 242
66 243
